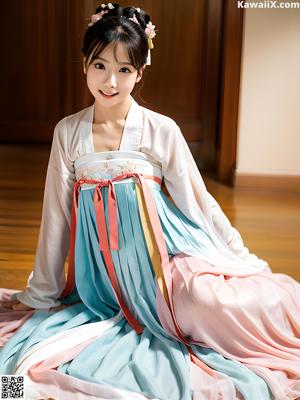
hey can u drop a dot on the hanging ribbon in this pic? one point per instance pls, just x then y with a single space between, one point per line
113 245
104 245
112 216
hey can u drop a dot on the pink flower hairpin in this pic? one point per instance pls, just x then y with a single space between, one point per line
99 15
150 30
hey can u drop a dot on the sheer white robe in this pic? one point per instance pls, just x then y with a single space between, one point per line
162 139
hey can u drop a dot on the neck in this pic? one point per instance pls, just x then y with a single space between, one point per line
113 114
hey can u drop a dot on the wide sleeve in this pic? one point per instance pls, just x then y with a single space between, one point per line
47 280
188 191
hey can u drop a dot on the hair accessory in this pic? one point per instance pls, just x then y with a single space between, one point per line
150 32
134 19
150 28
96 17
99 15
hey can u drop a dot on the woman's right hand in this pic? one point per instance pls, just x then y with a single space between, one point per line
15 305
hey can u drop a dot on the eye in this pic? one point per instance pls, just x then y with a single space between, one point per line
103 66
98 64
126 68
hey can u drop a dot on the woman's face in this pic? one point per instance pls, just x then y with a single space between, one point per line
107 75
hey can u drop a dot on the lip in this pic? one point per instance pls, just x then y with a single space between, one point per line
107 94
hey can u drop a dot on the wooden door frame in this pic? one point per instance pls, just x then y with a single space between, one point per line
229 91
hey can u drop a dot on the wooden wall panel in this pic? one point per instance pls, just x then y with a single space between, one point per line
43 80
230 88
32 44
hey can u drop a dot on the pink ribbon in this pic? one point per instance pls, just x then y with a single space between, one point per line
112 216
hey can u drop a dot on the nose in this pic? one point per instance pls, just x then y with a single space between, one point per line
111 80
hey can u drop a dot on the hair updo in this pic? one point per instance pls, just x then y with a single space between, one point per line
114 26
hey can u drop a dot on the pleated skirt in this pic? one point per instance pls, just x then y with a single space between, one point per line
244 330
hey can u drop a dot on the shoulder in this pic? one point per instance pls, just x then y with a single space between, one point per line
157 121
66 136
161 135
70 122
66 131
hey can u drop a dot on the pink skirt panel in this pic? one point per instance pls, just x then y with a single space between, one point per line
252 319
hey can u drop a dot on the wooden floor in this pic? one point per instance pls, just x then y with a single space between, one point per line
269 222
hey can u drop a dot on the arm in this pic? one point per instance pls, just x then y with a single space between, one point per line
188 191
47 280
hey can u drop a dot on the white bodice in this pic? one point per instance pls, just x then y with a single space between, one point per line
106 165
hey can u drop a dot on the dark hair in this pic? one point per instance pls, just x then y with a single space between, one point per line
114 26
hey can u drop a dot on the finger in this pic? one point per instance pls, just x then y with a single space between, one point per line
21 307
9 303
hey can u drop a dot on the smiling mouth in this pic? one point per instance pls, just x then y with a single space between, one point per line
108 95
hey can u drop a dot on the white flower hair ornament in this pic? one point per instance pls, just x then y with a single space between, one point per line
150 28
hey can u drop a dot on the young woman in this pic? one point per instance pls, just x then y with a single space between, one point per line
162 299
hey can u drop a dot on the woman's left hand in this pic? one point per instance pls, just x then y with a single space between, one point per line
15 305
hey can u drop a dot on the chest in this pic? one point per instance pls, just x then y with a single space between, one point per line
107 138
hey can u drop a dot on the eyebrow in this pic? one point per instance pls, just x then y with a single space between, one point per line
103 59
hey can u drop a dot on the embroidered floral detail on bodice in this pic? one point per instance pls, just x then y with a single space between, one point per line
106 170
106 166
